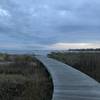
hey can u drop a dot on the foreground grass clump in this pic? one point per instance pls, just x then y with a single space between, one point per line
87 62
24 79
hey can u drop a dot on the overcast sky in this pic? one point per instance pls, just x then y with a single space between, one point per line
49 24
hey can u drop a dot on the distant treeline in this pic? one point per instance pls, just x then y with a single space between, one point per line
87 62
98 49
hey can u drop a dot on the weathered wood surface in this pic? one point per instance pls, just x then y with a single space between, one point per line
69 83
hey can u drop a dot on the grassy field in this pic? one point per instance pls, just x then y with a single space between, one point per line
87 62
22 77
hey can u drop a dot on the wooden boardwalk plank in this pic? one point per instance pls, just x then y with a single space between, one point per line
69 83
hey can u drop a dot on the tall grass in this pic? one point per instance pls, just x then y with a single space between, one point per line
24 78
87 62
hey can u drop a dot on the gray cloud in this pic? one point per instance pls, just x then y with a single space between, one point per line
45 22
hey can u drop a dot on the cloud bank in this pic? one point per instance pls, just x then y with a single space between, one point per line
40 24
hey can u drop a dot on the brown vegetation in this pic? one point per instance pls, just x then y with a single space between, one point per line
87 62
24 78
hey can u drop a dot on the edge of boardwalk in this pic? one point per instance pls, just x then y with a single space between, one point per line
69 83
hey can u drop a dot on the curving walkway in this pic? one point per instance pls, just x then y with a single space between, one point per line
70 84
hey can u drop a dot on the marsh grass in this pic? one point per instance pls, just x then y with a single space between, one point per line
24 80
87 62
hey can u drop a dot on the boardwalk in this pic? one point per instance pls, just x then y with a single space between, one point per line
70 84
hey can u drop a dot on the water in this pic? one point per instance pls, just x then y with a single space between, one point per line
34 52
